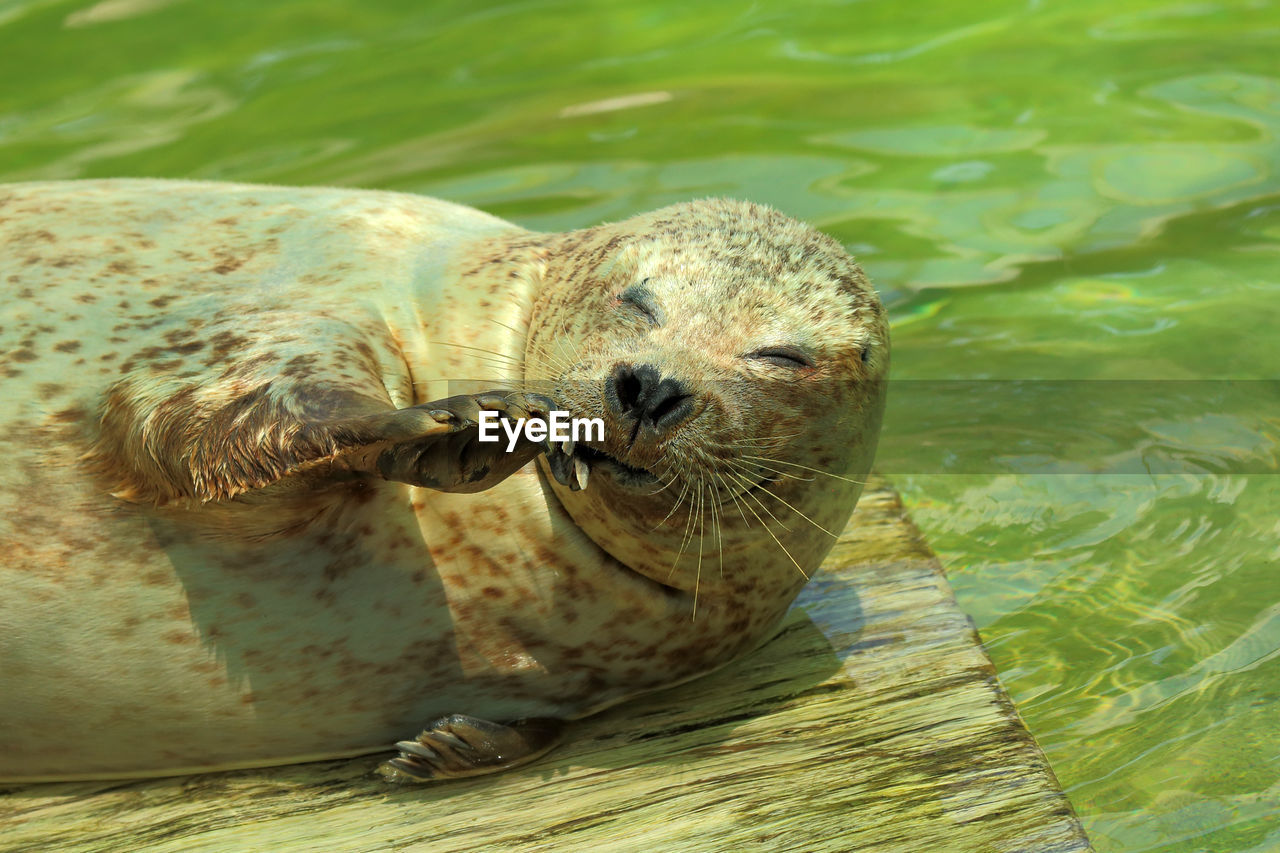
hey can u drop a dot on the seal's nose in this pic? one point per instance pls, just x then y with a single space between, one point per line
641 392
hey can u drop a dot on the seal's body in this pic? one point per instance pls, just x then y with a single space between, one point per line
245 520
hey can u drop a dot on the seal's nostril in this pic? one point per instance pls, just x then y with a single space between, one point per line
669 405
628 388
640 391
631 386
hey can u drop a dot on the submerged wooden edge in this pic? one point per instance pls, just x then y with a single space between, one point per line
874 720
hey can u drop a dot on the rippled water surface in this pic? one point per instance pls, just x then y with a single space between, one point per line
1049 194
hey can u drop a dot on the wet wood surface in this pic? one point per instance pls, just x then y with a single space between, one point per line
874 721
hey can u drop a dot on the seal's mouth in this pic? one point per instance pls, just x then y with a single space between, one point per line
624 474
575 468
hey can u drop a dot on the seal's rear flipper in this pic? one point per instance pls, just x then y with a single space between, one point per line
457 746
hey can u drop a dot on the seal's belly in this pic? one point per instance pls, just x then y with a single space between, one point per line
134 642
131 644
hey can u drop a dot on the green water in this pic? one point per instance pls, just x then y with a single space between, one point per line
1052 192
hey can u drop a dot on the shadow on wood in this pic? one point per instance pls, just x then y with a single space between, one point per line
873 721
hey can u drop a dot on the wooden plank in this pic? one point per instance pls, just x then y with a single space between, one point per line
873 721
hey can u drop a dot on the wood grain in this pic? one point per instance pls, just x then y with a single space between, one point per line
874 722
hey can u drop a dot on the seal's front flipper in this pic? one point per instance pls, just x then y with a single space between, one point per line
457 745
442 448
167 439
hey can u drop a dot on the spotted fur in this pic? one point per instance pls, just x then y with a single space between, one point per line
200 573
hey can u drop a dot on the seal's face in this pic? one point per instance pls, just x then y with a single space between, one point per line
737 359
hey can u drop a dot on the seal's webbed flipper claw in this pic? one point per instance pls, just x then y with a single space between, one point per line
449 455
457 746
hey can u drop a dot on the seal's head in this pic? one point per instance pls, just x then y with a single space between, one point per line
738 360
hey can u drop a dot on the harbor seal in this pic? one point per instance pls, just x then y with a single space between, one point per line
247 518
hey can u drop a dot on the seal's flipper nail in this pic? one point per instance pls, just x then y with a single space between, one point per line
492 402
448 738
568 447
540 405
581 471
560 466
420 750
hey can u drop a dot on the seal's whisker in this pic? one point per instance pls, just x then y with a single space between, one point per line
772 535
666 484
715 522
807 468
748 491
577 356
734 497
556 361
730 467
521 332
788 474
558 365
778 498
501 355
495 380
765 440
674 507
569 358
688 528
702 546
684 540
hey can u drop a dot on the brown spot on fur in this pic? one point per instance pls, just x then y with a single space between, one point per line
224 345
228 265
67 346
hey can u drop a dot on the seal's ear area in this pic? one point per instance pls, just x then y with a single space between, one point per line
620 270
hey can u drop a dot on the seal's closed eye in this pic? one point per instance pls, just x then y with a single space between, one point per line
638 296
782 356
